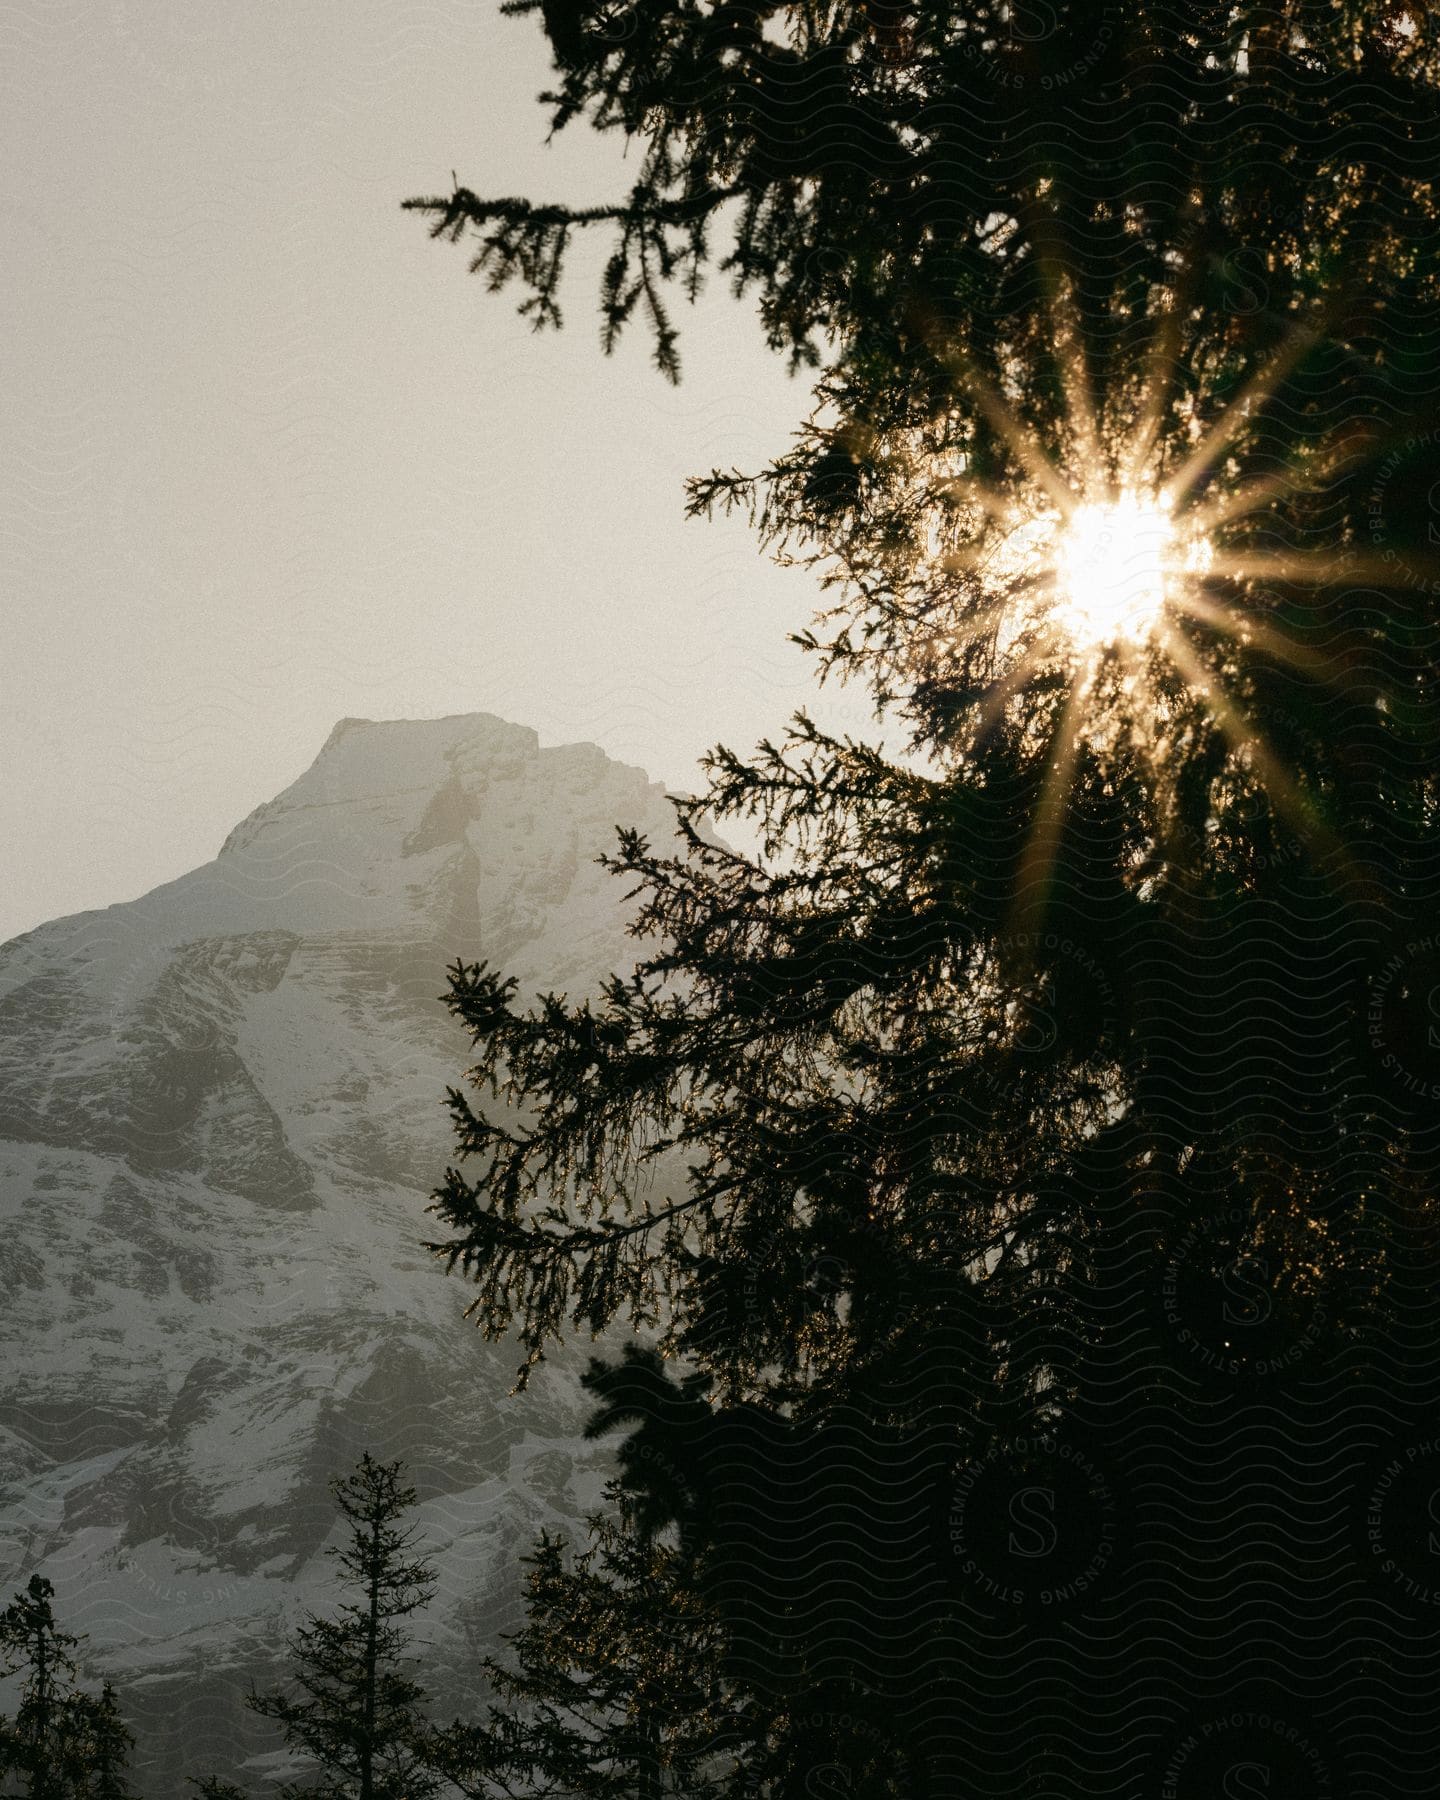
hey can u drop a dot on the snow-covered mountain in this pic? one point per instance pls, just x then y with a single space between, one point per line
221 1110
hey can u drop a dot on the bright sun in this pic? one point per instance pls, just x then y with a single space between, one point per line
1110 567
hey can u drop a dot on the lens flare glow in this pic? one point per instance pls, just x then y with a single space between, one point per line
1111 567
1113 573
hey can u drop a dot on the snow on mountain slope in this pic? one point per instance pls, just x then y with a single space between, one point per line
221 1109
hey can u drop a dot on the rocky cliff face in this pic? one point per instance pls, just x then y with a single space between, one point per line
221 1110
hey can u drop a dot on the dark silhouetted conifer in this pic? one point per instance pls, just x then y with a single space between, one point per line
612 1687
31 1641
95 1747
1039 1128
63 1744
353 1709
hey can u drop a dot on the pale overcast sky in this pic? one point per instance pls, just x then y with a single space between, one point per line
271 457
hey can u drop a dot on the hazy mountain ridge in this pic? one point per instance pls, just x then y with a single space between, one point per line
221 1107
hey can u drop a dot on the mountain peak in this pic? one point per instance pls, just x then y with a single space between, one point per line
367 760
221 1112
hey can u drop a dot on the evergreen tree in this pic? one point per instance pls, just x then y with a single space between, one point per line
31 1640
94 1747
63 1744
1277 762
1057 1091
911 176
357 1716
215 1787
612 1687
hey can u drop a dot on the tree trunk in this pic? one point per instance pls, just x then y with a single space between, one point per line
40 1737
372 1633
